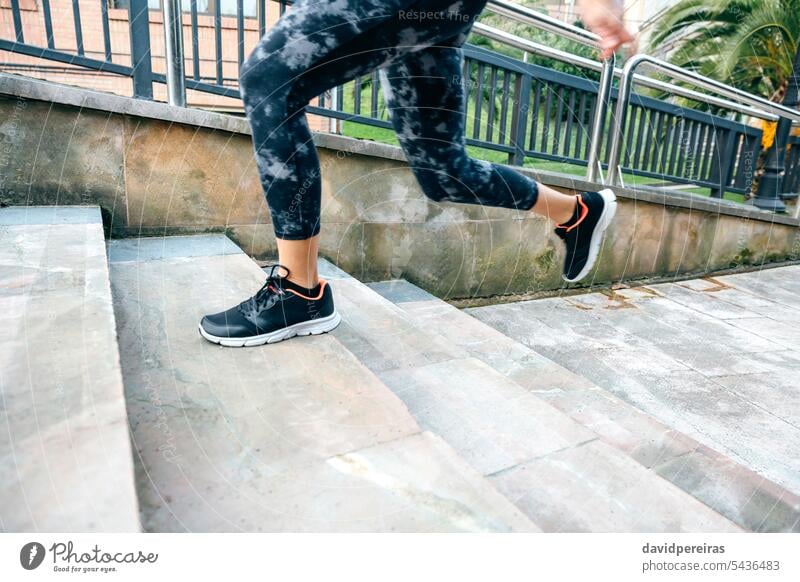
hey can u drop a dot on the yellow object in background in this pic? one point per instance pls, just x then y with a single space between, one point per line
768 135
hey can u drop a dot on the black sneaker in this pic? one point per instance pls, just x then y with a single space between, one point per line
583 233
276 313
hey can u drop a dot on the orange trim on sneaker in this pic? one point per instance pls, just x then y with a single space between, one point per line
584 213
322 284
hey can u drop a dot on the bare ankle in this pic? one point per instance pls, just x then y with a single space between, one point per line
309 281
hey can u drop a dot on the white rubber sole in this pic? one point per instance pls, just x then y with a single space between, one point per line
609 210
312 327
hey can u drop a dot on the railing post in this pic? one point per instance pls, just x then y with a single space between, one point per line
519 118
770 195
620 121
138 19
722 170
598 125
173 46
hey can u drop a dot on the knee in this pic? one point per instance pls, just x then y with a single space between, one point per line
445 181
260 76
438 184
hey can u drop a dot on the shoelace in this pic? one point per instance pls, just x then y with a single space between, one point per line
269 292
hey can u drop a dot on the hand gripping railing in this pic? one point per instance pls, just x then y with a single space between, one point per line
760 107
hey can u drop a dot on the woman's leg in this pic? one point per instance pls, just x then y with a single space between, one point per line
318 45
426 98
425 94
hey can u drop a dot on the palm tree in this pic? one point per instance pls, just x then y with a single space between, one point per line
750 44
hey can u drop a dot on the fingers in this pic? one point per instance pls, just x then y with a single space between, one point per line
612 36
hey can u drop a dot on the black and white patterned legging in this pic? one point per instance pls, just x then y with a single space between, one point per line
317 45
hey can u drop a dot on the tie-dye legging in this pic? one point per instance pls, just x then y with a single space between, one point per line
318 45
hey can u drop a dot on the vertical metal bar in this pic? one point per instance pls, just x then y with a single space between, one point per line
599 118
721 171
592 113
674 147
48 23
559 114
476 118
106 33
504 106
357 96
634 116
141 61
658 139
333 122
621 118
195 42
240 29
548 109
374 95
537 99
571 115
669 132
680 162
691 161
491 113
17 16
708 152
644 116
519 120
76 19
262 17
173 52
218 38
649 138
581 128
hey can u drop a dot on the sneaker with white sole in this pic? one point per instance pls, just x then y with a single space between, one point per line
279 311
583 233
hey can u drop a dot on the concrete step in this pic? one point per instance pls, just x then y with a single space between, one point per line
65 451
720 482
697 359
500 427
295 436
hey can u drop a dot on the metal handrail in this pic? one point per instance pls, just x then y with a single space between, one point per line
543 21
624 96
586 37
173 51
577 60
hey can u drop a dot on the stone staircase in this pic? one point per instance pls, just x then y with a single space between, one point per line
411 416
64 447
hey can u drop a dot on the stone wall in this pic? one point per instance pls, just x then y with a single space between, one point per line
156 169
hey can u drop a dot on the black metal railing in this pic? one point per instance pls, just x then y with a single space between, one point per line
521 110
792 178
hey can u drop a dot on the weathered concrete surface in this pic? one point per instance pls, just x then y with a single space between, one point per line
160 170
297 436
743 496
601 490
499 426
713 358
65 455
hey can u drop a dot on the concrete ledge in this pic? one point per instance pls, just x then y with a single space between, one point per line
53 215
36 89
158 249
